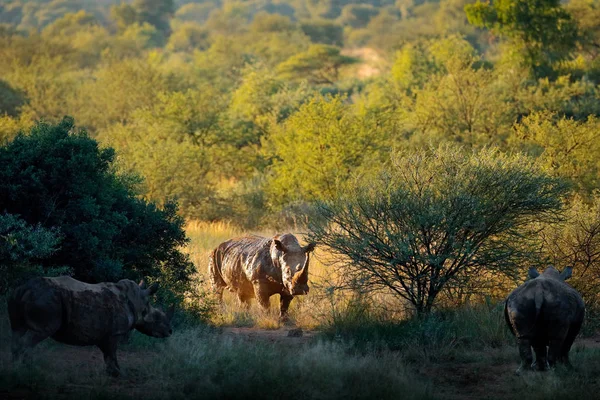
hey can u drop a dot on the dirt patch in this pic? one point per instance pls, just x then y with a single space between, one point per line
289 335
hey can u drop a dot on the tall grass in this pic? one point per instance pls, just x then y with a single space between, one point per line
199 363
437 335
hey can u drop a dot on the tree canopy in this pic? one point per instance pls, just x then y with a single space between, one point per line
435 219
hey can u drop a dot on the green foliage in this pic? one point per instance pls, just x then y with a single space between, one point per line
56 178
565 147
320 147
155 12
177 167
187 37
464 102
358 15
196 12
124 15
576 242
120 87
320 64
542 30
10 99
323 31
436 218
22 247
69 24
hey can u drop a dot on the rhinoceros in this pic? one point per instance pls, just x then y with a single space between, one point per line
255 266
545 313
82 314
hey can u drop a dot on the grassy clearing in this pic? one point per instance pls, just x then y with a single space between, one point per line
454 355
202 363
362 350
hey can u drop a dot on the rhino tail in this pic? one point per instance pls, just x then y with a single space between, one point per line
214 270
539 301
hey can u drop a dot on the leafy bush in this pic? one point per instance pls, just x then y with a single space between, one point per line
436 219
57 179
22 247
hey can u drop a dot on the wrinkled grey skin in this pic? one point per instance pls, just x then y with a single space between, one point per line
254 266
83 314
545 313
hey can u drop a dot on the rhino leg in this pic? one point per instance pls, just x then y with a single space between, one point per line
525 353
566 347
284 304
541 357
23 340
244 299
262 294
555 351
109 349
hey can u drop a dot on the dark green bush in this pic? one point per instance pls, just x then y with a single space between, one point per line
57 179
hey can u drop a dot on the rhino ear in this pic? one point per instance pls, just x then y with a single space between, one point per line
309 247
567 273
153 288
278 245
142 284
533 273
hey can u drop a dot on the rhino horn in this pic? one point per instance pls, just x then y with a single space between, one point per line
566 273
142 284
309 247
152 289
304 271
533 273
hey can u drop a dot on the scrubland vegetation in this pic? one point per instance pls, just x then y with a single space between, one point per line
434 150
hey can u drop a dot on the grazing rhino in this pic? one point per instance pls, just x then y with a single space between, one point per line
545 313
255 266
83 314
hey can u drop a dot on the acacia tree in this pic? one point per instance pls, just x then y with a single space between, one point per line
436 218
319 65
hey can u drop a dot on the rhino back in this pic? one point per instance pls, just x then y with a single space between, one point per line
84 313
543 305
246 259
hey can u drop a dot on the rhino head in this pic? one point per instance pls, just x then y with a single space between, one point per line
551 273
152 321
293 260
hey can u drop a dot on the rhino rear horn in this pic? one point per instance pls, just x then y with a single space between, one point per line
310 247
152 289
566 273
142 284
533 273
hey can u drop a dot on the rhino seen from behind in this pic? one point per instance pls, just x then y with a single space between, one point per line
254 266
83 314
545 314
